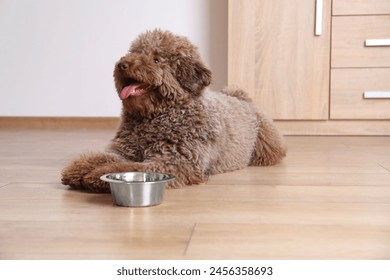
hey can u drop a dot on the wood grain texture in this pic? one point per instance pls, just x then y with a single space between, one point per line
335 127
329 199
267 241
348 36
275 42
361 7
241 46
347 88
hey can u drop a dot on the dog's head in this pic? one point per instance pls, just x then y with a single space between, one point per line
159 68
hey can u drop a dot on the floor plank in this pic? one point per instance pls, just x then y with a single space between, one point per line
329 199
264 241
91 240
259 176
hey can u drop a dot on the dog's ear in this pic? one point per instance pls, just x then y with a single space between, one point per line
192 75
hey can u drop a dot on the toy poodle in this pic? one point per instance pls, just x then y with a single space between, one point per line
171 124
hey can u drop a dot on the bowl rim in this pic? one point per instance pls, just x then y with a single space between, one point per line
109 180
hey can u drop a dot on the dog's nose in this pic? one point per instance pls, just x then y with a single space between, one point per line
123 65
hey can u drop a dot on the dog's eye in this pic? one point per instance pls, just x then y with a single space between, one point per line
157 61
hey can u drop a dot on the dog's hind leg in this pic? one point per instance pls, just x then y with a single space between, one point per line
75 173
270 147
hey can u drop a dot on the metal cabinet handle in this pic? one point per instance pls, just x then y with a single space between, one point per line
318 24
377 43
376 94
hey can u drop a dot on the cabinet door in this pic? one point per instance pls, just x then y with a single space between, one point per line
276 57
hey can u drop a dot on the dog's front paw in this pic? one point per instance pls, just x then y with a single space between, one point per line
74 174
93 183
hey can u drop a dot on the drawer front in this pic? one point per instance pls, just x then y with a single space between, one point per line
347 93
361 7
349 35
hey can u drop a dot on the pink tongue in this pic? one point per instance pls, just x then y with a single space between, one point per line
132 90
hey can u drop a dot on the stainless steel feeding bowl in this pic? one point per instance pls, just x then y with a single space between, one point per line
137 189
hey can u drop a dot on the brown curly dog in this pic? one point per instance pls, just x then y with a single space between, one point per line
170 124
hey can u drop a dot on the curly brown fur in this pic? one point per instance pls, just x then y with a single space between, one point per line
170 124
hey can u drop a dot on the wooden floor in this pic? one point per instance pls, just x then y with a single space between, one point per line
329 199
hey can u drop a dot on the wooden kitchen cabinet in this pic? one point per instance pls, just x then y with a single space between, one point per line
359 67
347 89
361 7
349 34
275 55
313 83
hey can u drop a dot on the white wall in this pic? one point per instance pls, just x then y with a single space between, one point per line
57 56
